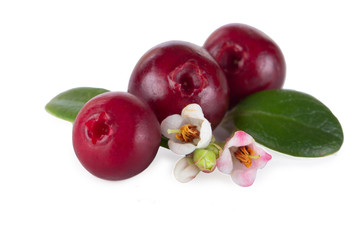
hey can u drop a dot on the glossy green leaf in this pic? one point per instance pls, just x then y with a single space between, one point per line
290 122
67 104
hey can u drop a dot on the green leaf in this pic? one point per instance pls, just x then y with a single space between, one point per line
164 142
67 104
290 122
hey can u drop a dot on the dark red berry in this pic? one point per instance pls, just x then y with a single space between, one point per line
250 60
116 135
174 74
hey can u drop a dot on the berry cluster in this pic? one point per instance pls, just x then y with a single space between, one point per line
116 135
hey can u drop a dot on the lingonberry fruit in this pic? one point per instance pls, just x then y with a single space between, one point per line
175 74
250 60
116 135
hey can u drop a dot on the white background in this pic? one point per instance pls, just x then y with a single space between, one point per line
47 47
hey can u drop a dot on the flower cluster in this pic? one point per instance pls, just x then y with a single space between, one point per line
190 134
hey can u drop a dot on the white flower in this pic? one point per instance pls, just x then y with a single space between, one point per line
188 131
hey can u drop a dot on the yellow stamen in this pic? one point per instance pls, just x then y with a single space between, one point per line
187 133
244 155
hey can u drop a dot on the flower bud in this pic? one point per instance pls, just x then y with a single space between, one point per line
205 160
185 170
214 148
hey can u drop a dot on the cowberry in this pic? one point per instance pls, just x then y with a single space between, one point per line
116 135
250 60
175 74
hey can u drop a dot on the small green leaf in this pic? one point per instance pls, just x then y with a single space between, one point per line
164 142
290 122
67 104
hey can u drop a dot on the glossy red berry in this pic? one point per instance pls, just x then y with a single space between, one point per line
174 74
250 60
116 135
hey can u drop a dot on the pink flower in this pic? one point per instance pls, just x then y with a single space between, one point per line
242 158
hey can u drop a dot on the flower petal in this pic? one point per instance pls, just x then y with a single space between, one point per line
264 157
239 139
181 148
225 163
171 122
193 121
185 170
244 177
192 111
205 134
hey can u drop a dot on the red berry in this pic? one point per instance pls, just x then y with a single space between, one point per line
174 74
250 60
116 135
